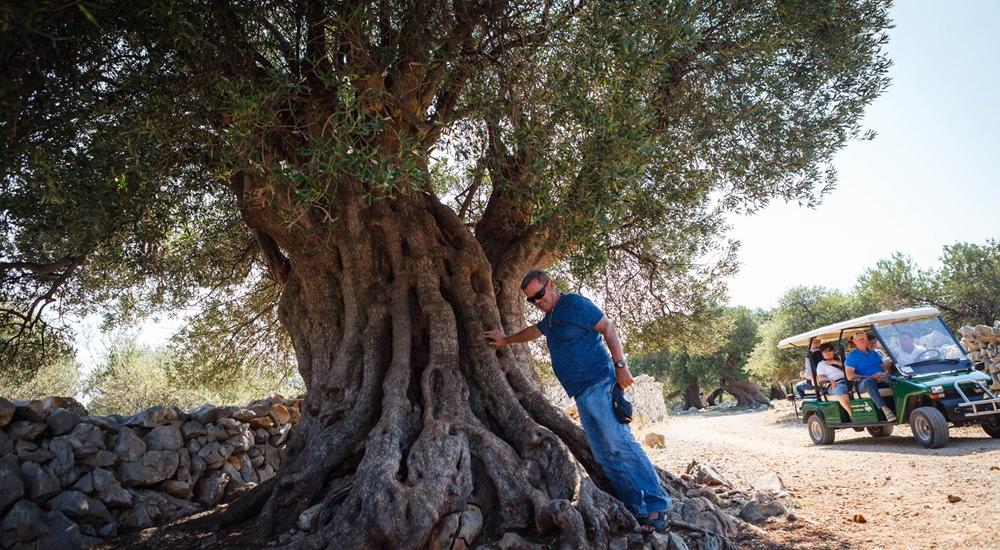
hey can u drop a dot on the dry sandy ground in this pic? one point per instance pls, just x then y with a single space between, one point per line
900 488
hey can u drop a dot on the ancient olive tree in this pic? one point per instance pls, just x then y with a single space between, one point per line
391 168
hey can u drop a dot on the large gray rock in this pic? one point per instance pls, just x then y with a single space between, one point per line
110 424
761 508
215 432
152 468
61 421
6 412
209 489
85 484
243 414
197 468
11 484
164 438
101 459
26 429
32 411
128 446
152 417
109 490
86 439
232 426
192 428
241 440
28 451
667 541
153 507
63 459
6 443
68 403
79 507
209 413
699 511
41 484
183 465
282 436
173 487
215 455
25 523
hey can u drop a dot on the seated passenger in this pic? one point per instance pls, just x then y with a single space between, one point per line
908 352
831 371
808 369
866 366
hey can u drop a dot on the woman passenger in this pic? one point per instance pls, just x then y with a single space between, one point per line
831 370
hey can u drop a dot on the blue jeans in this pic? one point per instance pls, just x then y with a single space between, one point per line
870 386
802 387
625 463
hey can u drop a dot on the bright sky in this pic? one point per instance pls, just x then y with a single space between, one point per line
927 180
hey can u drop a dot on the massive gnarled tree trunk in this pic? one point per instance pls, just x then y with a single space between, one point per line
409 416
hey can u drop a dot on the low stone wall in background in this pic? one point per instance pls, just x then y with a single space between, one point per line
68 479
646 395
983 344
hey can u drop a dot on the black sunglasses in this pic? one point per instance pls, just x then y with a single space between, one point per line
538 295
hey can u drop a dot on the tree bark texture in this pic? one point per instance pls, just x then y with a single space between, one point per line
410 418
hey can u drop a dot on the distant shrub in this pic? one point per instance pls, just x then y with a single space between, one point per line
61 377
135 377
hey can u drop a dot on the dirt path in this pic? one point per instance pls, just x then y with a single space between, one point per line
899 487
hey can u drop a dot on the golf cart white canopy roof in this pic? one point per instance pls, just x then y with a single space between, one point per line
851 326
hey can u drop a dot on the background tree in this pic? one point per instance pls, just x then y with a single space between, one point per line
712 358
800 309
963 288
394 167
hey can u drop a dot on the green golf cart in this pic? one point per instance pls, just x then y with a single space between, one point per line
933 382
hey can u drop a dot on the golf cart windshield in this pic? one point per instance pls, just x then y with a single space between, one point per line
922 346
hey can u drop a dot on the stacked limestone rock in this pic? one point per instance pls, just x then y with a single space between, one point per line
67 478
983 344
646 395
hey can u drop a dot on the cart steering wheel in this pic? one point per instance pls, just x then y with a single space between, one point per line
932 353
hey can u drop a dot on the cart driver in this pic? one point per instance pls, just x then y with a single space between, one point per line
867 367
908 351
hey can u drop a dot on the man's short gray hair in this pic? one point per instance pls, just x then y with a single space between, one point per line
534 275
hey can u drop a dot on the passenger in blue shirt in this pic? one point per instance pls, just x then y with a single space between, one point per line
865 364
574 329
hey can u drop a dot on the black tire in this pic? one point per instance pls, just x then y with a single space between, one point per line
819 432
929 427
992 429
880 431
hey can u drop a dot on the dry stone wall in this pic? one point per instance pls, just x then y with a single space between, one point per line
68 479
983 344
646 395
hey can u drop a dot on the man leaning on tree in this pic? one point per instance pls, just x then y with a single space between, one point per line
573 328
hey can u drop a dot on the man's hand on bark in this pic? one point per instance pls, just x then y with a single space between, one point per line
623 377
495 338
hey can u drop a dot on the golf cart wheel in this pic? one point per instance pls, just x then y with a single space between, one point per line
992 429
819 432
880 431
930 429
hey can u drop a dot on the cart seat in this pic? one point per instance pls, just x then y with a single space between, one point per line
884 392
